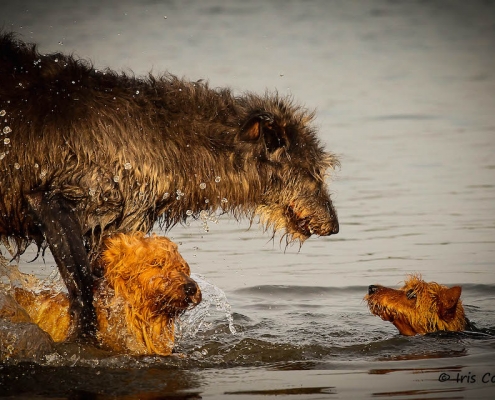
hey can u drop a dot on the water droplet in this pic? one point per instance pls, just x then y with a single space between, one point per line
7 130
166 195
137 91
6 140
2 113
92 191
36 165
189 212
56 60
116 178
218 179
202 185
2 156
17 165
224 200
127 165
207 201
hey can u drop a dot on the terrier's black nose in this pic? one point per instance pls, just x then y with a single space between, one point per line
190 289
372 289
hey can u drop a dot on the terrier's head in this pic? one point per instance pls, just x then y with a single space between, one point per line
418 307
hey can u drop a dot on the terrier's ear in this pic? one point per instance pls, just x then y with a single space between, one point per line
253 128
447 302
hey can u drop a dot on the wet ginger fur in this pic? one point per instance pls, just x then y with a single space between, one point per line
145 286
419 307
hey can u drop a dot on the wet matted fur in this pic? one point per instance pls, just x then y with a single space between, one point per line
144 288
419 307
86 153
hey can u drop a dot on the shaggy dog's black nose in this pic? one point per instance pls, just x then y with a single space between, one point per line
372 289
190 289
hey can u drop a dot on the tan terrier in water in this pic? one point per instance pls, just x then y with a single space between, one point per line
419 307
144 288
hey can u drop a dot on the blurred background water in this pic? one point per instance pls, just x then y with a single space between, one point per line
405 95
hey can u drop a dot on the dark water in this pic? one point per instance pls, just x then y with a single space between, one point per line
405 94
310 342
289 340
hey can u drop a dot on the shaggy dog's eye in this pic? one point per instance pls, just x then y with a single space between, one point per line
411 294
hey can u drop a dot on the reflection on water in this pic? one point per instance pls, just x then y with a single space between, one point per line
404 93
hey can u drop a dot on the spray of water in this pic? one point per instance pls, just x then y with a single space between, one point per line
11 276
192 321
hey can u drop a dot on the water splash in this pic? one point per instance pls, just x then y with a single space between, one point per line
207 216
192 321
11 276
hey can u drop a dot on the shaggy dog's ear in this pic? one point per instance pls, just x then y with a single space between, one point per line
263 127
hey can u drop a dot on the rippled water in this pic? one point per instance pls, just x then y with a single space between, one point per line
404 93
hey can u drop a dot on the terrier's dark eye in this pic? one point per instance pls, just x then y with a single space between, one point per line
411 294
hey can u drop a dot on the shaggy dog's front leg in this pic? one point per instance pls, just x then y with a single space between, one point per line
63 234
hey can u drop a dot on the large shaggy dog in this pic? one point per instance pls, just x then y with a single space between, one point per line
86 152
145 285
419 307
